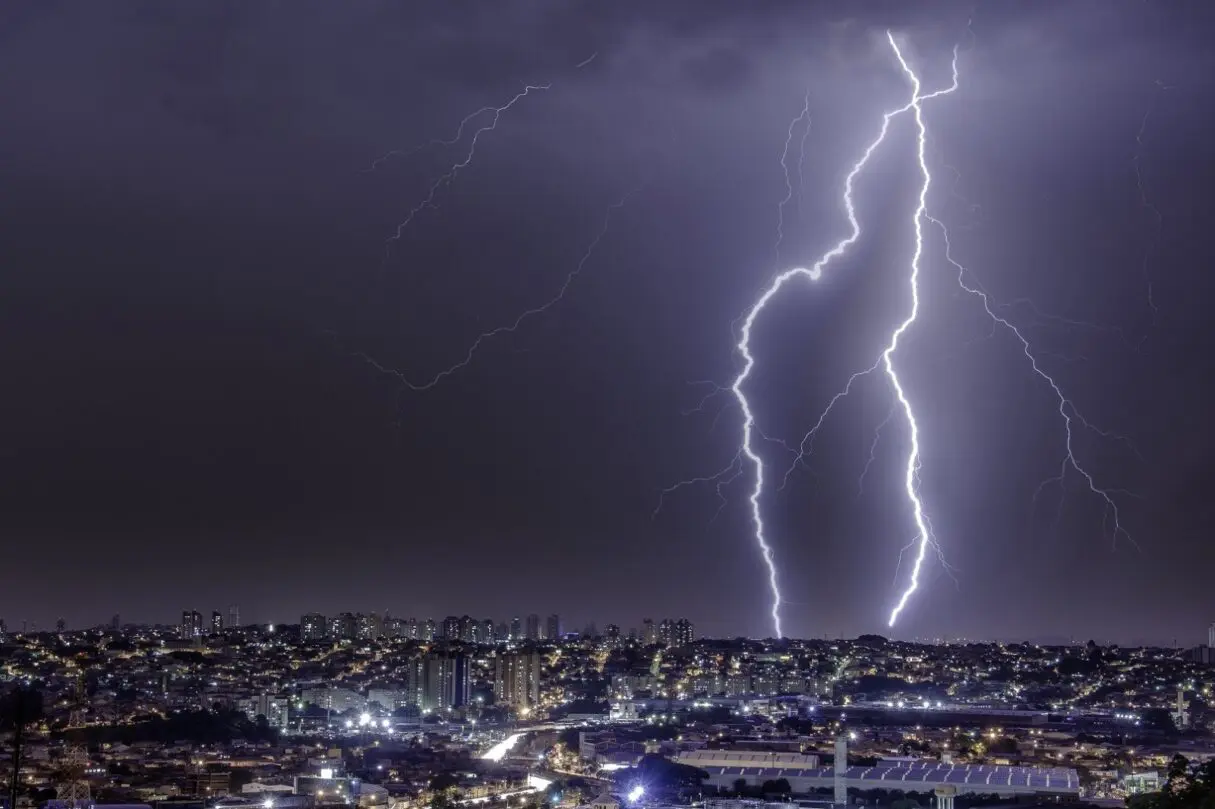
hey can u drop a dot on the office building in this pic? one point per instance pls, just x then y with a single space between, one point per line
450 629
427 630
313 627
516 629
532 632
683 633
552 627
217 622
487 631
648 636
517 680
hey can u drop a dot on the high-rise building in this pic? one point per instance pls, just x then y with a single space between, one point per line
468 629
313 627
370 626
446 682
516 629
411 629
487 631
612 633
275 709
648 636
427 630
552 627
533 627
344 626
451 628
1211 636
683 633
666 631
191 624
517 680
234 617
415 682
115 622
217 622
502 631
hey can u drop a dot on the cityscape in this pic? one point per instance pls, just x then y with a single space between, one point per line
560 404
381 711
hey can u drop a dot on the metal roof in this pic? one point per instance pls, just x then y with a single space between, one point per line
907 776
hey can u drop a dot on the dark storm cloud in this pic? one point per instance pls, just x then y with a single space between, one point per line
196 258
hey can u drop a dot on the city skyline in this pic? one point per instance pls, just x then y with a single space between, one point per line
285 333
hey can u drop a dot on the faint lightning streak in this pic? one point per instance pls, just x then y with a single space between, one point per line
804 115
801 159
717 477
877 436
450 174
456 138
1067 410
1148 204
807 442
518 321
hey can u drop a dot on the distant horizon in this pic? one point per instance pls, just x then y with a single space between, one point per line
1053 640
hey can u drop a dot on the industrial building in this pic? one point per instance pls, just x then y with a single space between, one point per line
908 777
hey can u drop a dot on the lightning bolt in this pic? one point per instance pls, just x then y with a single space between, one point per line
495 114
522 318
450 175
813 273
911 476
1068 412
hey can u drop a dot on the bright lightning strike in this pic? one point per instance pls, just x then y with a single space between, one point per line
813 273
911 476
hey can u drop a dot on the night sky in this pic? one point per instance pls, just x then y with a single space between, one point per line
194 267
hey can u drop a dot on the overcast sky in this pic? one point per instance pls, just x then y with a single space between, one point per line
195 271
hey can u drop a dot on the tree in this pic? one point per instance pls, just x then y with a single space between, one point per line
740 785
18 708
1188 787
779 786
